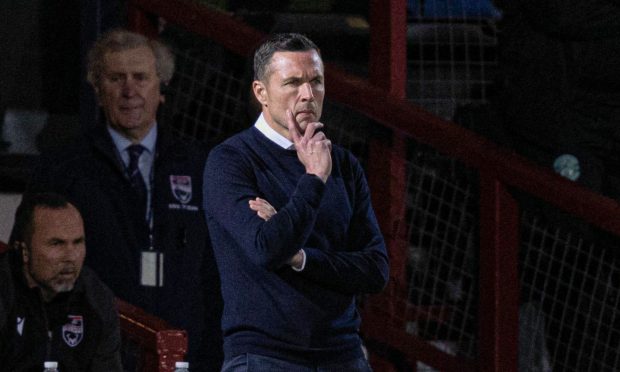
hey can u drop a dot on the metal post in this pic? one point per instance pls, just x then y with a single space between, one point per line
498 314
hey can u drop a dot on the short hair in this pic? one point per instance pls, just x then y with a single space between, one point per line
284 42
23 227
118 40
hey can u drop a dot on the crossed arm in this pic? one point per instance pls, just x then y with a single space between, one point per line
265 211
276 239
358 271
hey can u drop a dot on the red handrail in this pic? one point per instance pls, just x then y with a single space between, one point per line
161 345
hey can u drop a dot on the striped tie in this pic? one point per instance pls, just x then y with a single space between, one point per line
135 176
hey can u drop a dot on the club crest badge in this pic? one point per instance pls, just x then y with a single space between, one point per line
73 332
181 188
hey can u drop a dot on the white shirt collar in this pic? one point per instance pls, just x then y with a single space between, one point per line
121 142
270 133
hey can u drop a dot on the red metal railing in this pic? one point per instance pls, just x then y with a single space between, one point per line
382 98
160 345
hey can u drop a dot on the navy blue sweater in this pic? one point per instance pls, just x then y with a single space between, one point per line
269 308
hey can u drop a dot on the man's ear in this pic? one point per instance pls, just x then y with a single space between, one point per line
97 91
260 92
163 89
21 246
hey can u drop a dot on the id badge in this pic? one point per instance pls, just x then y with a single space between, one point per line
152 269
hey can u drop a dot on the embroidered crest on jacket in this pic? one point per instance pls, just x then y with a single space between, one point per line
181 188
73 332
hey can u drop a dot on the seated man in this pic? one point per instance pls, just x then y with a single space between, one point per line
138 187
52 308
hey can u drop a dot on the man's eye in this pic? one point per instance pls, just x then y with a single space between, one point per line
114 78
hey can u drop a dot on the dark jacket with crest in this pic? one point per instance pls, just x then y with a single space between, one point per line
83 324
91 174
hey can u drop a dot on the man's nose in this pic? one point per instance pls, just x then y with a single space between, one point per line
306 92
129 87
73 252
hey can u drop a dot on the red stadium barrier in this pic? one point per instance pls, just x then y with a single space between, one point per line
159 345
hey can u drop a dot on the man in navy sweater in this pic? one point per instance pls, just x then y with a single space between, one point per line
290 279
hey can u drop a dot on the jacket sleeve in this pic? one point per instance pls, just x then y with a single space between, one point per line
230 183
211 338
363 266
107 356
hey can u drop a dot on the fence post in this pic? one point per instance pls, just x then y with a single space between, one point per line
498 314
387 60
387 179
387 162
